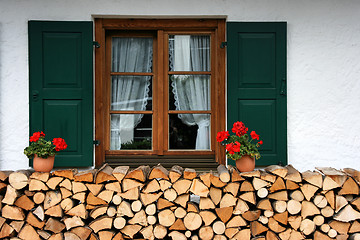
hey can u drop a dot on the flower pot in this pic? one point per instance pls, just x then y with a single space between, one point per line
245 163
43 164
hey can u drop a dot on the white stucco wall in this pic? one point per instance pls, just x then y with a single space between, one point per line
323 67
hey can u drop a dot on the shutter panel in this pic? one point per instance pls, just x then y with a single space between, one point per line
257 84
61 87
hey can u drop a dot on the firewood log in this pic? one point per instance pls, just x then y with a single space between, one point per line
307 226
189 173
338 176
98 211
297 195
66 183
28 232
293 207
170 194
215 180
264 204
182 200
159 231
233 188
246 186
12 212
327 211
355 236
78 187
325 228
293 174
182 186
329 184
128 184
164 203
79 211
249 197
124 209
34 221
120 172
223 173
340 203
54 225
159 172
206 233
319 220
279 206
206 203
73 222
132 194
39 197
199 188
282 217
231 232
295 221
259 183
7 231
164 184
241 207
151 219
85 176
308 209
19 179
17 225
175 173
136 206
175 235
101 224
257 228
278 185
148 198
140 173
349 187
262 193
224 213
251 215
275 226
166 217
215 195
180 212
178 225
52 198
236 221
192 221
243 234
104 174
139 218
24 202
228 200
151 187
330 197
131 230
347 214
65 193
308 190
111 211
192 207
277 170
119 222
54 211
208 217
355 227
206 178
281 196
290 185
147 232
10 196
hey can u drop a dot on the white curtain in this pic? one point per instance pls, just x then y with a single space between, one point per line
129 92
192 92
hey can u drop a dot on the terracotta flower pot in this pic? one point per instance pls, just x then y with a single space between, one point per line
43 164
245 163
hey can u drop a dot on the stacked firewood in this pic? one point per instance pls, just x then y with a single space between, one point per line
157 203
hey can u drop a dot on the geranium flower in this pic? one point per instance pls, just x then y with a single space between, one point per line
36 136
221 136
239 128
254 135
59 143
261 142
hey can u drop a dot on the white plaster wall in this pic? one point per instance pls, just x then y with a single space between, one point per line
323 67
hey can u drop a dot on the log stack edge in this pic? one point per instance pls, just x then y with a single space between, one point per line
158 203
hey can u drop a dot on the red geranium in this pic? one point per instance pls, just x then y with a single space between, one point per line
36 136
233 147
59 143
221 136
239 128
254 135
261 142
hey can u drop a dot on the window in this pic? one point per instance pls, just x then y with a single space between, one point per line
160 90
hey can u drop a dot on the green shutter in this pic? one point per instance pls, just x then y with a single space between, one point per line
256 60
61 87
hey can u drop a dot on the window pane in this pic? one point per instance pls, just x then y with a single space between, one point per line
131 93
183 128
189 92
131 131
131 54
189 53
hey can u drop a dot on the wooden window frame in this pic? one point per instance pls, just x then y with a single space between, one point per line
163 27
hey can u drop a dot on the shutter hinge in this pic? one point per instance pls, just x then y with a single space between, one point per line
223 44
96 44
96 142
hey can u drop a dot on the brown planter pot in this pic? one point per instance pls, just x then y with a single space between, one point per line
245 163
43 164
